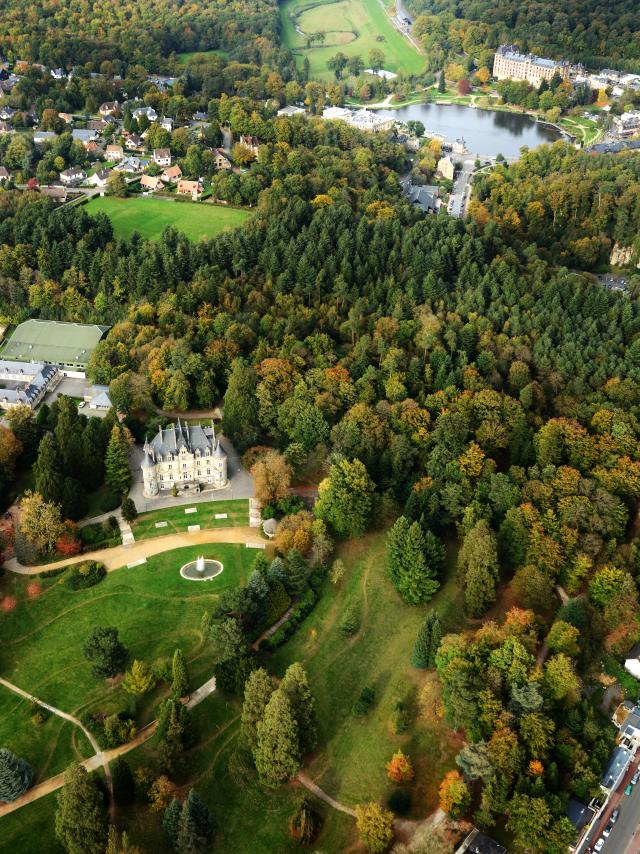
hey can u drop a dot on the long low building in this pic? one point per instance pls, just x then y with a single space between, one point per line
26 383
67 345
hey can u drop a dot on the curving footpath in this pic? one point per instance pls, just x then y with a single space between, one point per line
119 556
90 764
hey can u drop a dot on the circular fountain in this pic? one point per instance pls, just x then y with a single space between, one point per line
201 569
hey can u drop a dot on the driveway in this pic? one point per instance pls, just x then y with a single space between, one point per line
461 190
240 484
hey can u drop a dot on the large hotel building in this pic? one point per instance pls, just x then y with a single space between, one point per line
509 64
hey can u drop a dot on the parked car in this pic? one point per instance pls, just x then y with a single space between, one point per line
599 844
614 816
629 789
635 778
607 830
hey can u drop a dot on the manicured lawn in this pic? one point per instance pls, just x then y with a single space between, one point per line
155 611
177 520
31 828
350 26
149 217
350 765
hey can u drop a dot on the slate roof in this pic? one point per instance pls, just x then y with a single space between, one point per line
193 437
37 377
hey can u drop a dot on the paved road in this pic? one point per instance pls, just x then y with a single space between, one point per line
625 835
461 190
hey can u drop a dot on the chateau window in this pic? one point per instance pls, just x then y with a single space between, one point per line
208 471
161 477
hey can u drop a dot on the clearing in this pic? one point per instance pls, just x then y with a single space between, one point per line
177 520
360 25
149 217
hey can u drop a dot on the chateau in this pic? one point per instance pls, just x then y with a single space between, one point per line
509 64
183 456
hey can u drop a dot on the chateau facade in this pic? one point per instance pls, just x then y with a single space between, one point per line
509 64
183 456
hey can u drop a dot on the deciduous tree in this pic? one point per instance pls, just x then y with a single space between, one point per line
81 817
375 826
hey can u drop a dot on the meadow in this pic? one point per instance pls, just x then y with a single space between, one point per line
357 27
149 217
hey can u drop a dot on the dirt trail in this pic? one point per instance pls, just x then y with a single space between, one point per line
119 556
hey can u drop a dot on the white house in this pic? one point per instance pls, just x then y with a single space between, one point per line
99 178
189 456
73 175
162 156
114 153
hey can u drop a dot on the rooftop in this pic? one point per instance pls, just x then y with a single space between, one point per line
52 341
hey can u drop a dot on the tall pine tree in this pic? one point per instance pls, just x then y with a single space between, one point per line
257 692
81 817
295 685
117 471
427 642
277 752
240 419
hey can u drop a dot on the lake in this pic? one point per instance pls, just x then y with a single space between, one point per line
487 132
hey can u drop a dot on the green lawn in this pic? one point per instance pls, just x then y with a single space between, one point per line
237 511
149 216
31 828
356 27
187 56
155 611
354 750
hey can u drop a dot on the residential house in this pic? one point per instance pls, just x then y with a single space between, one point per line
58 74
73 175
114 153
133 142
425 198
190 188
66 117
199 116
627 719
166 124
151 183
478 842
97 125
99 178
7 113
162 156
619 762
91 146
580 817
41 136
98 398
172 174
291 110
58 194
6 128
250 142
83 135
446 168
149 112
4 174
220 159
625 125
109 108
131 165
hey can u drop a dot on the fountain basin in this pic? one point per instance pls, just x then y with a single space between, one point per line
202 569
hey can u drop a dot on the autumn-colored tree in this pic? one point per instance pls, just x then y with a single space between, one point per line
272 477
536 768
400 768
375 826
161 792
40 521
10 449
68 543
138 679
454 795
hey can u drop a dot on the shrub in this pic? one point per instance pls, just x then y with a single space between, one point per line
52 573
278 600
401 718
109 501
350 622
162 670
364 702
86 574
399 801
304 823
303 608
118 730
38 714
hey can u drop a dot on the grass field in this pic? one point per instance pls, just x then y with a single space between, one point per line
177 520
154 609
149 217
356 26
184 58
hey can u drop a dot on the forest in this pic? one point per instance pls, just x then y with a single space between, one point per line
594 33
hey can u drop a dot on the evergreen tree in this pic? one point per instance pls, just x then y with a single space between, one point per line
295 685
257 692
68 433
139 679
277 752
478 566
407 565
296 579
94 446
49 479
74 499
104 649
129 510
396 541
240 419
124 789
174 735
117 471
427 642
442 83
180 674
15 775
188 840
200 814
171 820
345 498
81 817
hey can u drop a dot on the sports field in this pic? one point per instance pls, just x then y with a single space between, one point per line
356 26
149 217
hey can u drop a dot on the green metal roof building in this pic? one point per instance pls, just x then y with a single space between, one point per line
66 344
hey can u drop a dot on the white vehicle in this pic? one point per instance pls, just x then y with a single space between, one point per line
599 844
607 830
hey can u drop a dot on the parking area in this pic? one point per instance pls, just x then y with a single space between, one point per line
621 836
